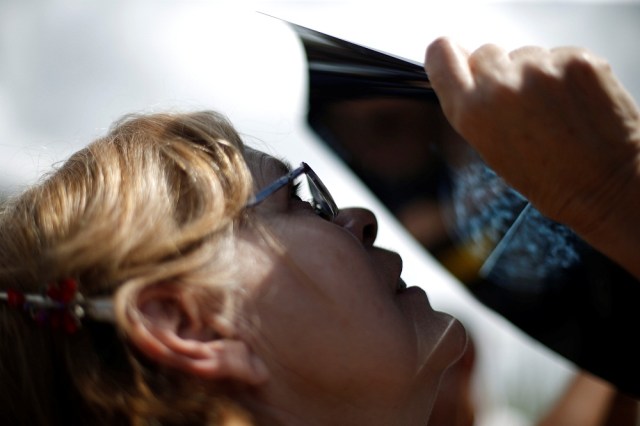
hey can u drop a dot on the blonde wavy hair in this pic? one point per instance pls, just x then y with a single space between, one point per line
157 199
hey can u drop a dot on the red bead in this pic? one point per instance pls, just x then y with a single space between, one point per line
53 291
15 299
68 289
63 291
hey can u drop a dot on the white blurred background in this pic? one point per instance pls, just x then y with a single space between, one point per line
70 68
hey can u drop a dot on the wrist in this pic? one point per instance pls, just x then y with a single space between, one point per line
615 226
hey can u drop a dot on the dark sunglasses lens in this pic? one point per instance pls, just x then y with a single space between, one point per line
322 201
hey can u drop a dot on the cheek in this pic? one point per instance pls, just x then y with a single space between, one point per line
323 311
300 324
331 257
338 349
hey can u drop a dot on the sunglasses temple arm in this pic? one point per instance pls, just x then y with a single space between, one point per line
276 185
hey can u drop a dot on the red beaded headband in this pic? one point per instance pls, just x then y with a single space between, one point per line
61 305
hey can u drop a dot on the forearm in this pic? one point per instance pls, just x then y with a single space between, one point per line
617 235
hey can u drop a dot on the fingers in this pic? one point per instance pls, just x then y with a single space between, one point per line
580 65
527 52
603 97
567 55
447 66
446 63
488 62
460 79
453 70
588 70
468 84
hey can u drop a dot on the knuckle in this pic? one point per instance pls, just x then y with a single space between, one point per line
489 49
538 75
582 62
528 53
487 53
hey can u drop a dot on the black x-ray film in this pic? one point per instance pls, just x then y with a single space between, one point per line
380 115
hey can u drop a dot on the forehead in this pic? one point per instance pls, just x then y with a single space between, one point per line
264 165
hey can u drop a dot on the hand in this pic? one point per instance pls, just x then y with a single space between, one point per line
590 401
556 125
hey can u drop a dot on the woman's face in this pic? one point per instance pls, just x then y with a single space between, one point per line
331 313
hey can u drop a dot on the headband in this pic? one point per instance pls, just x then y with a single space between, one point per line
60 305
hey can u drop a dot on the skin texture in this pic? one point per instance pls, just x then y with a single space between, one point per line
340 343
558 126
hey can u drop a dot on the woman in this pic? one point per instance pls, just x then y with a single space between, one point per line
203 286
201 299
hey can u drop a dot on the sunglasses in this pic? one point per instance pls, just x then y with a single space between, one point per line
321 200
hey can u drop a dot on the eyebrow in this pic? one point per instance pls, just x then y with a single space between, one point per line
282 166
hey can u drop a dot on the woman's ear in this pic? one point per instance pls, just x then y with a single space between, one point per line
172 325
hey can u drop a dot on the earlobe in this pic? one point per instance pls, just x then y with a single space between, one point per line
170 327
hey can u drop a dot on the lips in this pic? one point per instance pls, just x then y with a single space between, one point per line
389 265
401 286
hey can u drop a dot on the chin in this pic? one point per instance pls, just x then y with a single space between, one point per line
451 344
456 340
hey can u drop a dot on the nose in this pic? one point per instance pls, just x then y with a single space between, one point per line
362 223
